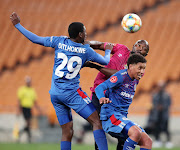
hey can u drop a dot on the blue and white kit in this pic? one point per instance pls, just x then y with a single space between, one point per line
68 60
120 89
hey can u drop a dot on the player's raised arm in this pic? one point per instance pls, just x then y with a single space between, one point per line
103 60
98 45
15 19
95 44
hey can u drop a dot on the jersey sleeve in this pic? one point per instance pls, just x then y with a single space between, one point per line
51 41
20 93
31 36
95 57
119 48
113 81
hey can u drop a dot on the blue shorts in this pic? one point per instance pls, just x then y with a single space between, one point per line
77 100
115 125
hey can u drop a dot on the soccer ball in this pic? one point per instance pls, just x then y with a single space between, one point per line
131 23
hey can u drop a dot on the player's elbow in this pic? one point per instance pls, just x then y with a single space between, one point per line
106 61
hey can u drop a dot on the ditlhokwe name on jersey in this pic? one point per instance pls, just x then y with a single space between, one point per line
71 48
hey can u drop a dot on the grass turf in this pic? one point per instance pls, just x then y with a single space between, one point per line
46 146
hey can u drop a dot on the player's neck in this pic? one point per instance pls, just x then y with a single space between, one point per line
75 40
130 74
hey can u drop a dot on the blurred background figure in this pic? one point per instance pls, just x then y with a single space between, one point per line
26 100
158 121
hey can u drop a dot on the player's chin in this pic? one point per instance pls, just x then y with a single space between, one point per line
138 77
139 53
132 52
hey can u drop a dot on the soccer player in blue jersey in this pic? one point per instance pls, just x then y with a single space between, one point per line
70 55
120 89
117 62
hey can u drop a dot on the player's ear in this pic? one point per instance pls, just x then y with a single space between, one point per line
131 66
80 34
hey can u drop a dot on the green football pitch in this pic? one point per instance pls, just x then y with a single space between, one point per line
45 146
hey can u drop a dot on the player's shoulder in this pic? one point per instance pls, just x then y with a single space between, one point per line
58 37
87 46
167 94
89 49
21 88
122 72
118 76
121 46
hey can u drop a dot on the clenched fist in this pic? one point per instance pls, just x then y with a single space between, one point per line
15 19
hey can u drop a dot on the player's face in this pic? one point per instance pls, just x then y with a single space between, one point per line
140 48
28 83
137 70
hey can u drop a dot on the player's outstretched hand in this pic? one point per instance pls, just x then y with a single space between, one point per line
104 100
15 19
109 46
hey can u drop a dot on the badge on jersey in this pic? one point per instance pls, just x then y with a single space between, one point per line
125 66
113 79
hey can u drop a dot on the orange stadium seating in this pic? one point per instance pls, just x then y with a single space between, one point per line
46 18
56 15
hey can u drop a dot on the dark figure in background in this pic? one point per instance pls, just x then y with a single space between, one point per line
159 115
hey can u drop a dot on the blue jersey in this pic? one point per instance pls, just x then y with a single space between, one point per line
69 59
120 89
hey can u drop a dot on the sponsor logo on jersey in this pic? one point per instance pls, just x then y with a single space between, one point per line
113 79
127 95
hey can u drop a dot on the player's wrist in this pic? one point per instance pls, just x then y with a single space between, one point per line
17 25
105 45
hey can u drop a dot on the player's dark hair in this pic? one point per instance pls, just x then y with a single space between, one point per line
136 58
74 29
